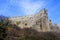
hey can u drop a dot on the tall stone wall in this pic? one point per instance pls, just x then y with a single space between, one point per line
37 22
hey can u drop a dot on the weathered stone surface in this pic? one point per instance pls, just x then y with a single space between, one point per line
39 21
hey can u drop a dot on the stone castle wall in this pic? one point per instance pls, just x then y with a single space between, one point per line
38 21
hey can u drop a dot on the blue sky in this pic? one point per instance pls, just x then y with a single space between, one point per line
29 7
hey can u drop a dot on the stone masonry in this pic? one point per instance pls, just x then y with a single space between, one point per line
39 21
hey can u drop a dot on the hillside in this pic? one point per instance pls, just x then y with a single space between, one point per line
30 34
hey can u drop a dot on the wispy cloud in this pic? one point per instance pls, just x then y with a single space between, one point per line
20 7
31 7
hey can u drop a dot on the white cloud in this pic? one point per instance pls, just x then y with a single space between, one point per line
22 7
31 7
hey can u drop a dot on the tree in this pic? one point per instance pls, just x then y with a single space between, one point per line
3 24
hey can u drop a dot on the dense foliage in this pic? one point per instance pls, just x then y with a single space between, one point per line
3 25
30 34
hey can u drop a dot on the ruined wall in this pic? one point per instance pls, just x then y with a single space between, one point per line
38 21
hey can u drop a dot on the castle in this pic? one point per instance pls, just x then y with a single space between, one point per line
39 22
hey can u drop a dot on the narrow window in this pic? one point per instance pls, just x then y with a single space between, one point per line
41 27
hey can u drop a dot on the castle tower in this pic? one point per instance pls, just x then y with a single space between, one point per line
44 20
